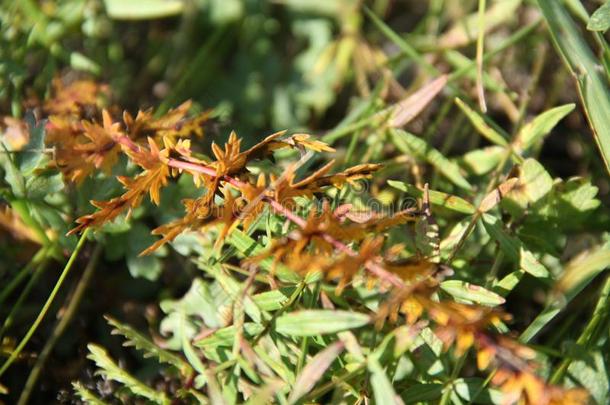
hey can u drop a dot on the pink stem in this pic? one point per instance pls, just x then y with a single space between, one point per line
126 141
370 265
208 171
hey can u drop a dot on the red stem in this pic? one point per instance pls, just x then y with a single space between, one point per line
208 171
370 265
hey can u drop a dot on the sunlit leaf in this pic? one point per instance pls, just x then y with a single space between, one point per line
316 322
411 144
600 20
143 9
592 83
464 291
439 198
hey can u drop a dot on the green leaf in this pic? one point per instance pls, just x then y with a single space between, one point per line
87 396
542 125
226 336
508 282
383 390
471 293
592 375
249 247
318 322
142 343
78 61
467 388
32 155
42 185
422 392
235 291
581 270
600 20
314 370
580 59
274 299
444 200
479 123
411 144
321 7
203 305
187 347
143 9
482 161
513 248
225 11
112 371
148 267
534 184
578 274
12 175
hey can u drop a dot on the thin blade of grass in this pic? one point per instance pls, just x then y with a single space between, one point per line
583 64
411 144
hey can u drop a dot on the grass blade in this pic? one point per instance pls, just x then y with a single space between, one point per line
583 64
411 144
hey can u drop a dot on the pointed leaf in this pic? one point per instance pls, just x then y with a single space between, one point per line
600 20
314 370
472 293
513 248
383 390
542 125
581 60
411 144
479 123
439 198
142 9
318 322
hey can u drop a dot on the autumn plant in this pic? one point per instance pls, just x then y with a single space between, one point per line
359 265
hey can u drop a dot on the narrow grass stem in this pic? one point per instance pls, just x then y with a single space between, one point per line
47 304
479 57
38 258
25 292
599 313
66 317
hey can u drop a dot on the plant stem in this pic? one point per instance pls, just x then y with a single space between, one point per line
599 313
61 325
22 297
38 258
47 304
479 57
295 295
